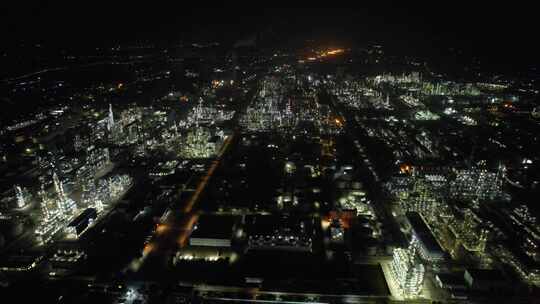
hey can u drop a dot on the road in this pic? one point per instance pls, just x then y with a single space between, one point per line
204 180
177 222
174 230
214 294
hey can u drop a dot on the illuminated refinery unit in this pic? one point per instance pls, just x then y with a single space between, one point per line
53 220
408 272
199 143
478 184
21 200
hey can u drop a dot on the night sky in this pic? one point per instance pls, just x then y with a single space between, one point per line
496 33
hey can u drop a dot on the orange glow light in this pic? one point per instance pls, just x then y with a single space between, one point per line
148 248
161 228
335 52
404 168
325 223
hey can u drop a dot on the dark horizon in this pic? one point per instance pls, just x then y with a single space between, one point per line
493 34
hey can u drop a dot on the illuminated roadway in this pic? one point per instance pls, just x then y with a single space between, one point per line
213 294
177 222
175 228
204 180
